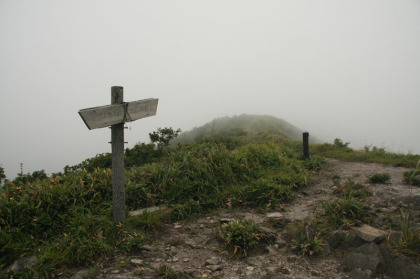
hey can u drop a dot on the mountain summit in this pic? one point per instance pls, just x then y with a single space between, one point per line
242 125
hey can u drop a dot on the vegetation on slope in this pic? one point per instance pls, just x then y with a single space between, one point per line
341 151
66 220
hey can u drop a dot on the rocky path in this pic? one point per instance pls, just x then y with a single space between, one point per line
192 248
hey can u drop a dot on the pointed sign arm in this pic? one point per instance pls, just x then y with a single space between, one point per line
104 116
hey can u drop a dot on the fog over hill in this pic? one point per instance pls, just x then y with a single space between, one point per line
243 125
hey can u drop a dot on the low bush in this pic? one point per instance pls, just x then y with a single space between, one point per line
166 272
380 178
304 238
148 221
266 193
240 236
408 242
315 163
345 212
412 177
356 190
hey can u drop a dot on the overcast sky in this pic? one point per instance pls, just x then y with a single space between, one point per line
338 69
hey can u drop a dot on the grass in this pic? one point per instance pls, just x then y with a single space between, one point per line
66 220
356 190
380 178
167 272
374 155
306 242
345 212
241 236
408 242
147 221
411 177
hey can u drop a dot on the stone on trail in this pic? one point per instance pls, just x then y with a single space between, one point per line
412 199
142 210
357 273
136 261
367 257
226 220
370 234
214 261
80 274
21 264
335 238
403 268
276 215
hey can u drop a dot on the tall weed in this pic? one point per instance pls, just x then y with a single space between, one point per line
345 212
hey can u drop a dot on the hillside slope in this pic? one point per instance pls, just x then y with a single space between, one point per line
243 125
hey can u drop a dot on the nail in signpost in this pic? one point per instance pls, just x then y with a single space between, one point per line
115 115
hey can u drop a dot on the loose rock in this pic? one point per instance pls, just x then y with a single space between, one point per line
21 264
366 257
80 274
213 261
370 234
403 268
136 261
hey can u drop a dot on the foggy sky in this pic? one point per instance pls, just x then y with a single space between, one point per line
338 69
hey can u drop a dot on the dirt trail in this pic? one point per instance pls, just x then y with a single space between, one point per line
323 189
192 247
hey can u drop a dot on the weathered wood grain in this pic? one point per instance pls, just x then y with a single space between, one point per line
105 116
117 141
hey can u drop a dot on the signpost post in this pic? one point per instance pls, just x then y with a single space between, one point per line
115 115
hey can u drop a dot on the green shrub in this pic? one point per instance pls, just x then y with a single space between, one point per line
163 136
240 236
266 193
340 144
336 176
411 177
34 214
347 211
355 190
205 173
23 179
302 241
133 242
141 154
183 211
380 178
409 241
257 157
88 238
148 221
315 163
167 272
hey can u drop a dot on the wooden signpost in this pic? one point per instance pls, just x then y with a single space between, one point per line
115 115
